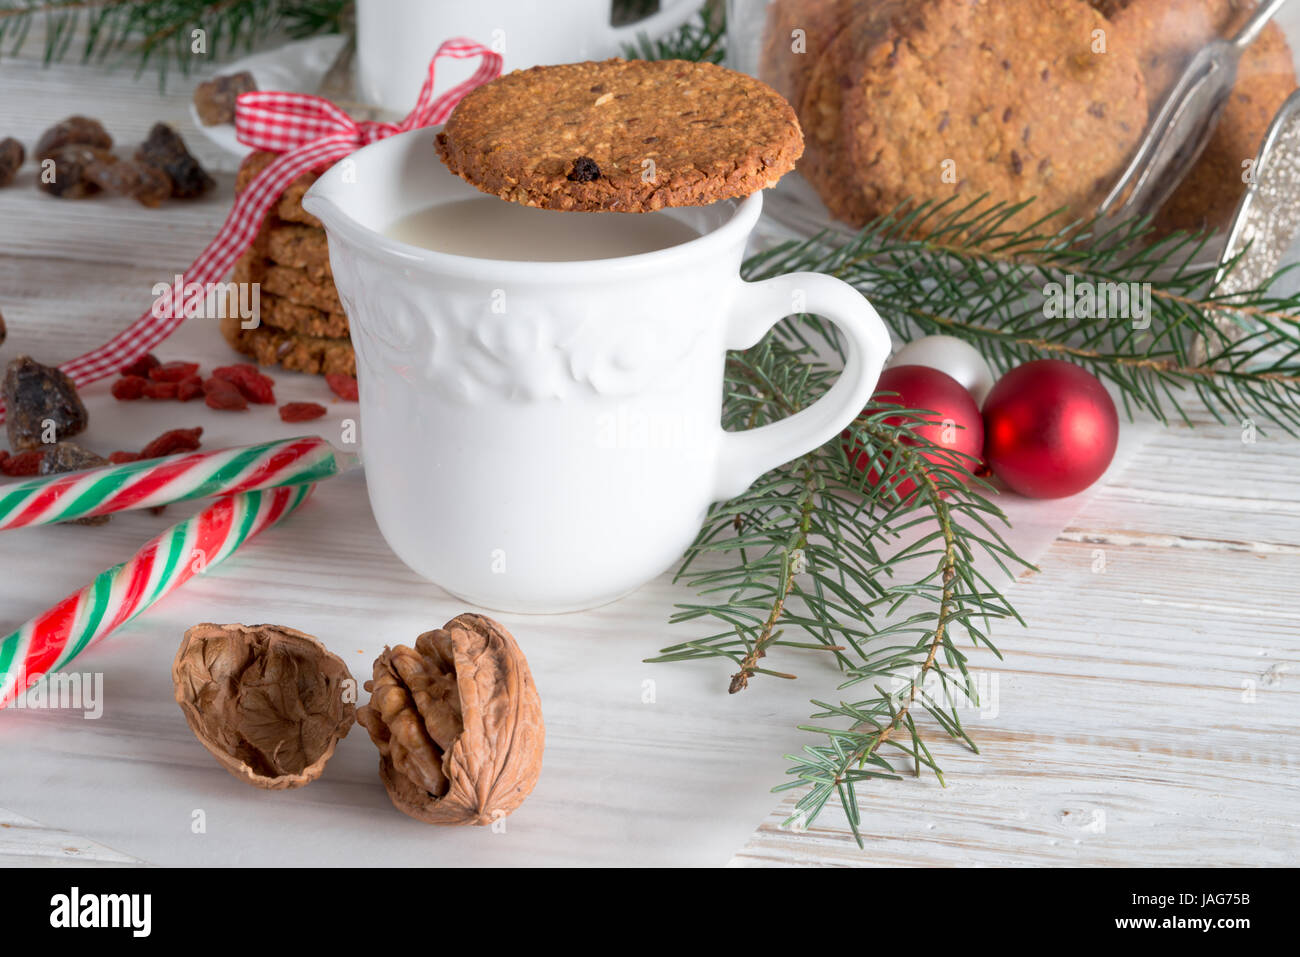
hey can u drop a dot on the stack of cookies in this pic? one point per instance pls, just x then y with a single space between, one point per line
302 325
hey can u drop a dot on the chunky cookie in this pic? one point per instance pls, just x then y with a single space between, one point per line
290 316
269 346
301 247
917 100
289 283
621 135
1167 34
796 36
289 208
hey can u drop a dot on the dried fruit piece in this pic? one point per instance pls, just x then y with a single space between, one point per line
232 372
23 464
64 171
253 385
146 184
173 371
69 457
214 99
12 155
165 149
270 703
584 170
129 387
75 130
159 390
141 366
343 386
189 388
152 185
121 458
458 723
301 411
169 443
222 395
40 400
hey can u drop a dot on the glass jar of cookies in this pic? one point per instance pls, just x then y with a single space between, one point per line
1035 104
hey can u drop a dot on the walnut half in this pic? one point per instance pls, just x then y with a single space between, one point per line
270 703
458 723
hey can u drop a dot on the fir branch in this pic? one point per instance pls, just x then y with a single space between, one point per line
701 40
957 269
158 33
815 557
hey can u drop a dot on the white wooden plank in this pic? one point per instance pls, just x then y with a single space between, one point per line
27 843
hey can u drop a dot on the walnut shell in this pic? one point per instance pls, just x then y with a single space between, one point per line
270 703
458 723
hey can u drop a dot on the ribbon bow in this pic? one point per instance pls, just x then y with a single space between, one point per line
310 133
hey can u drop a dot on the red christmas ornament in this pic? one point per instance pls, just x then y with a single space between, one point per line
956 424
1050 429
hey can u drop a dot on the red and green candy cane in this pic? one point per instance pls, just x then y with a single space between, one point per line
174 478
54 638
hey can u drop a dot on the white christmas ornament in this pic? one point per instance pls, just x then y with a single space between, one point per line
954 356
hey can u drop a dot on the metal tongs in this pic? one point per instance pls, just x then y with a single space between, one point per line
1183 126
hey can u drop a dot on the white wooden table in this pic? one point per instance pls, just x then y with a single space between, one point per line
1147 715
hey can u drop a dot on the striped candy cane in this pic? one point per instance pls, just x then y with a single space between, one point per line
173 478
54 638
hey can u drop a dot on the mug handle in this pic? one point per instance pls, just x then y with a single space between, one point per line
671 15
744 456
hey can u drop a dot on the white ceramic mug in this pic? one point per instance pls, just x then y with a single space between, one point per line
397 38
542 436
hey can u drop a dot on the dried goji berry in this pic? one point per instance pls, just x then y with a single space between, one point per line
169 443
234 370
121 458
141 366
301 411
343 386
129 387
24 463
251 384
220 394
173 371
190 388
159 390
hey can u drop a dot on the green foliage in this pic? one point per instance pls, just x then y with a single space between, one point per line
158 33
702 39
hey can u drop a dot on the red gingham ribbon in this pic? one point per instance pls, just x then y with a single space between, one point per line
309 132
